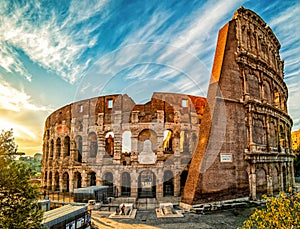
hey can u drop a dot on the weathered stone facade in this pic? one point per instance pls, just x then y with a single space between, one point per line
137 150
251 152
242 147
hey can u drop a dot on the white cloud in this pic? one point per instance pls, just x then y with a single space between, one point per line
16 100
45 40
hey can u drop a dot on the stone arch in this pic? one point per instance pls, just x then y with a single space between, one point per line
92 178
67 147
77 180
51 149
147 184
277 99
93 144
109 143
184 141
147 134
125 184
58 147
56 181
282 136
108 180
78 145
267 92
46 151
168 185
126 141
258 134
276 179
66 179
261 181
253 86
168 141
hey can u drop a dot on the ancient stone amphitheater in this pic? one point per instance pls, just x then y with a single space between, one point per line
235 143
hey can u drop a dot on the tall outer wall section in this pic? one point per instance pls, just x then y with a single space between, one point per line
244 143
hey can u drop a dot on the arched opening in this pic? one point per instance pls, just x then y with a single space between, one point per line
46 150
67 146
168 141
126 184
275 180
108 180
45 179
56 184
168 186
93 144
109 143
147 184
258 131
282 136
267 92
126 142
50 181
261 182
65 182
92 178
253 86
77 180
78 142
183 178
51 148
58 148
145 135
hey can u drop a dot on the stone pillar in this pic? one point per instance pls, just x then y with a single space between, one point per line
159 183
281 186
134 184
176 145
252 182
117 182
71 182
98 178
269 185
61 182
176 185
84 179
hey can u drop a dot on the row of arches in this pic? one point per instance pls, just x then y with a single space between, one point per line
147 182
264 91
61 148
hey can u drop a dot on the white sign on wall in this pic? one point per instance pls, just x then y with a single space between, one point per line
226 157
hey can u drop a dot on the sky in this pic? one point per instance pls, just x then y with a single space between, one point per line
53 53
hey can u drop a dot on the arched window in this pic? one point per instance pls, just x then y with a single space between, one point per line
145 135
78 142
92 178
258 131
108 181
126 142
65 182
77 180
50 181
109 143
168 135
93 144
168 186
67 146
56 185
253 86
58 148
184 141
277 98
126 184
51 148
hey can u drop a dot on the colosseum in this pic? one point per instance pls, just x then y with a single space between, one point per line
234 143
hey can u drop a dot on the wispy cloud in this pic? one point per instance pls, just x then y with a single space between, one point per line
40 33
16 100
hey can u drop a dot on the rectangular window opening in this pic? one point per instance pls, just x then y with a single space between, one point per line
110 103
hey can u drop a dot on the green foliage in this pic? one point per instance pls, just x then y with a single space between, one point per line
18 197
8 146
282 211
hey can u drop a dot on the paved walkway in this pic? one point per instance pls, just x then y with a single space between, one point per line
147 219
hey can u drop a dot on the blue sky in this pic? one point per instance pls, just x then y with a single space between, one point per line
55 52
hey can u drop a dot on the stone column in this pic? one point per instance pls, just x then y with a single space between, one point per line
159 183
252 182
61 182
281 186
177 185
134 184
71 181
84 179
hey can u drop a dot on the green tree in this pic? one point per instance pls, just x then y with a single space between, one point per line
282 211
18 197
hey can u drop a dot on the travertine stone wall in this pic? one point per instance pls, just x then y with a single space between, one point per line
245 145
100 141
